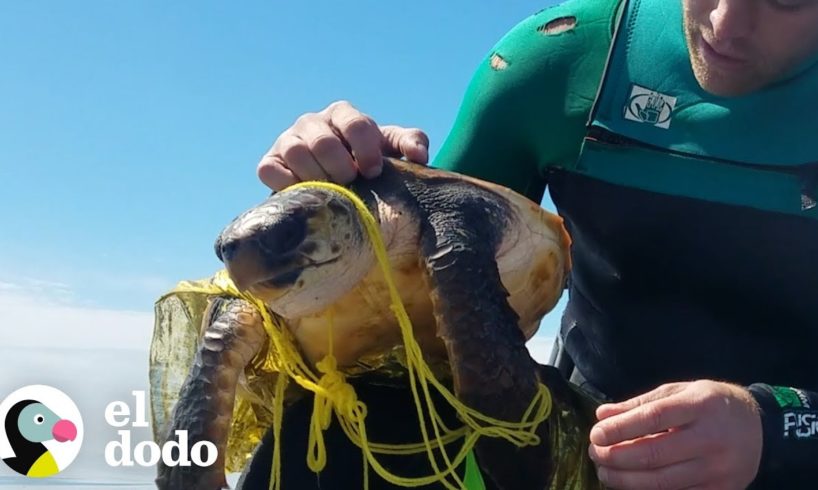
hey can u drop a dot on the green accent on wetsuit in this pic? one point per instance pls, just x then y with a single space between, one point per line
752 150
473 479
517 121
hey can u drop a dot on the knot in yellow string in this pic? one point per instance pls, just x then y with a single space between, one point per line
336 391
333 393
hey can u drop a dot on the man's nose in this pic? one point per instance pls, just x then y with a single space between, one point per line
733 19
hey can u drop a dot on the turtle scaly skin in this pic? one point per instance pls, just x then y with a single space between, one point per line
492 369
233 335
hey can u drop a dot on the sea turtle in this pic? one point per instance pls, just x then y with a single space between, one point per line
477 266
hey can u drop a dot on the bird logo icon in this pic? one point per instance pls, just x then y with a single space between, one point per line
42 429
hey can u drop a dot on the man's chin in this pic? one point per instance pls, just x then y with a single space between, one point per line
727 90
722 85
731 81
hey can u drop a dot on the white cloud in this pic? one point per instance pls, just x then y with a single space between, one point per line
42 314
39 313
8 286
32 284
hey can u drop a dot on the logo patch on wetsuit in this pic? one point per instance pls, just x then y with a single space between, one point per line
800 424
650 107
790 397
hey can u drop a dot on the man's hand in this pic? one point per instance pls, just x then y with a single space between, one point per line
335 145
702 434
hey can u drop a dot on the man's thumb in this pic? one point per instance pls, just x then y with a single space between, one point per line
411 143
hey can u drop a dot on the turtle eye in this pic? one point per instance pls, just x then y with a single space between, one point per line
39 419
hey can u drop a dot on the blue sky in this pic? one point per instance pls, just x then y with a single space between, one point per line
130 131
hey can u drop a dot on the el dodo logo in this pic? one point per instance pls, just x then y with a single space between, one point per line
42 431
148 453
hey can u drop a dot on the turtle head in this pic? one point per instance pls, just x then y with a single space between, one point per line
298 251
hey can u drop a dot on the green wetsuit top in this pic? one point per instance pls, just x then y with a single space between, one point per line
528 102
672 281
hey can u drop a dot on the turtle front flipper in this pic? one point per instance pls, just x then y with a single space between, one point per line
493 371
233 334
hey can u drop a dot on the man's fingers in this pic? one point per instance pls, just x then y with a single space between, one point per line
610 409
328 151
361 134
288 161
409 142
298 157
652 443
650 452
676 476
336 144
273 173
650 418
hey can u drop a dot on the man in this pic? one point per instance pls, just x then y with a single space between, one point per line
677 139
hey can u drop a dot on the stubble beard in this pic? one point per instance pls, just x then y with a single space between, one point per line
710 78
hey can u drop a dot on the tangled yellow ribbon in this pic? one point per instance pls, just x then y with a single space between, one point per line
334 394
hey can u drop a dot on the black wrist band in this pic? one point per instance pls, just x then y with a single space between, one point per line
789 420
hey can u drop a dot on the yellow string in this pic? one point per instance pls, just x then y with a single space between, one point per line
275 468
334 394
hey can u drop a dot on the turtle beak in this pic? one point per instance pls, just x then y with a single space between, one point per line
64 430
262 245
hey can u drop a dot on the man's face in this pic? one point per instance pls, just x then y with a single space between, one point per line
739 46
